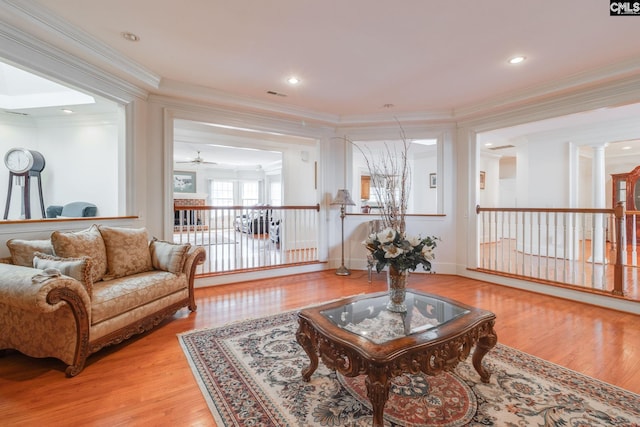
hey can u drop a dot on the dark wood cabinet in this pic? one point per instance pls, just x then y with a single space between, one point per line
626 188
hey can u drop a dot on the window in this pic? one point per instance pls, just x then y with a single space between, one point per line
249 193
275 193
222 193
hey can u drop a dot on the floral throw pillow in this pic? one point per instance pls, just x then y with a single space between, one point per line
167 256
82 243
127 251
77 268
22 250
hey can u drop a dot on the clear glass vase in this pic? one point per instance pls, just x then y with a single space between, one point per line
397 285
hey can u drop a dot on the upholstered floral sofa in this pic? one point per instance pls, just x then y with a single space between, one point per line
77 292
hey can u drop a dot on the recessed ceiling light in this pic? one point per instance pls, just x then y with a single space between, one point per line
293 80
66 110
516 59
130 36
488 144
626 147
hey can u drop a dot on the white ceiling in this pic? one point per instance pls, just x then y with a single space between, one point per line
352 57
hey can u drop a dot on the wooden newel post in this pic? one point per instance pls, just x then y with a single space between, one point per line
621 242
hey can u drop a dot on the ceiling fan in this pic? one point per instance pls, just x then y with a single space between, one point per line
198 160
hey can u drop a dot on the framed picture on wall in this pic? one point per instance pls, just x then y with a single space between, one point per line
482 179
433 180
184 182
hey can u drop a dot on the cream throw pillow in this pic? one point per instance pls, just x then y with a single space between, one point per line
78 268
168 256
127 251
22 250
83 243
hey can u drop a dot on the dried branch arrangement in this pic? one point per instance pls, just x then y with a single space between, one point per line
391 179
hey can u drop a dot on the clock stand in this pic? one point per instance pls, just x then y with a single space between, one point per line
25 180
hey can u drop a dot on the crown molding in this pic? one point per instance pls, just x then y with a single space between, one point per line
214 96
605 94
25 50
592 133
37 15
390 117
566 86
206 112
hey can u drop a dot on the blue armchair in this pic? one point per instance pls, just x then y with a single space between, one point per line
72 210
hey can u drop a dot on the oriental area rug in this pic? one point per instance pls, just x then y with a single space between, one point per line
250 375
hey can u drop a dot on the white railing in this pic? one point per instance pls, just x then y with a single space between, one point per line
239 238
577 247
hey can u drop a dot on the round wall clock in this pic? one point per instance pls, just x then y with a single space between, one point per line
21 160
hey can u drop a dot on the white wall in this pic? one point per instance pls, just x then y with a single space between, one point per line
490 195
507 182
425 198
298 177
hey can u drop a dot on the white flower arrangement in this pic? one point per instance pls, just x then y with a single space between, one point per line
403 253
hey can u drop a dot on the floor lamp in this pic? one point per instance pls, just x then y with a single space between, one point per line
343 198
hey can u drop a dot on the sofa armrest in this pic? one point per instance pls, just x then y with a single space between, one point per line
195 257
19 289
26 289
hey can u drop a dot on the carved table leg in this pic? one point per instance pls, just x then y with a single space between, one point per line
303 336
377 383
485 343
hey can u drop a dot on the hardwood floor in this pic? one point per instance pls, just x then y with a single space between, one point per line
147 381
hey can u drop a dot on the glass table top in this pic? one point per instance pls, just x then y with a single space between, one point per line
369 317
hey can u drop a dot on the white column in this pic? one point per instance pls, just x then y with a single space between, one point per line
598 238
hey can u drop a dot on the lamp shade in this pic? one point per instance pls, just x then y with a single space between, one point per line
343 198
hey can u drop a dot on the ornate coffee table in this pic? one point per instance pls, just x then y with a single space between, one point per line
358 336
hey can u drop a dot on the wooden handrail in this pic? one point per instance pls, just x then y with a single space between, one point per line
550 210
240 207
618 212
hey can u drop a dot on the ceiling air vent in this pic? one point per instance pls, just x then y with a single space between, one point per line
273 92
502 147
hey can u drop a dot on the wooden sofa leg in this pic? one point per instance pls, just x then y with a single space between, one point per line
73 370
